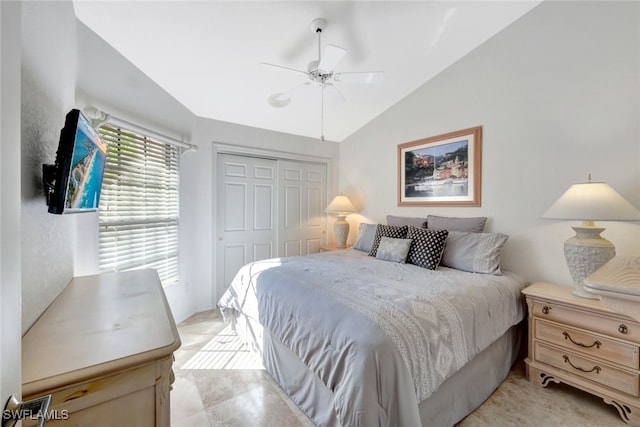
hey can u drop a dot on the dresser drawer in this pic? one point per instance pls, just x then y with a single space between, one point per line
618 328
626 382
583 342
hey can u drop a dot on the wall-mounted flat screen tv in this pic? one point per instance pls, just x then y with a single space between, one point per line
73 184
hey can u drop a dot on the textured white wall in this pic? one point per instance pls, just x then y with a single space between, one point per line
10 239
47 90
558 96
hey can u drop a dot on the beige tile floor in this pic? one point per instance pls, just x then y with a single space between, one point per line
219 383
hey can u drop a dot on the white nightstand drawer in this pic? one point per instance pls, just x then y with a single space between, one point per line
626 382
583 342
624 329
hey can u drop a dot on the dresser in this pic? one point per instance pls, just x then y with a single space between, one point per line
104 351
582 343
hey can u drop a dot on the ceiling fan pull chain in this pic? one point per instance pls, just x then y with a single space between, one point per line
319 32
322 114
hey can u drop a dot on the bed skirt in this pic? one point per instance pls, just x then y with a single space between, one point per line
457 397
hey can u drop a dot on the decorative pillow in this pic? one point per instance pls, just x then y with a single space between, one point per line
426 247
395 250
406 220
387 231
474 252
475 225
366 234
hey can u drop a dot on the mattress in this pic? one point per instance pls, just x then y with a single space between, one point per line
381 337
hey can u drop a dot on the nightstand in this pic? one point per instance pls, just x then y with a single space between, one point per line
331 247
582 343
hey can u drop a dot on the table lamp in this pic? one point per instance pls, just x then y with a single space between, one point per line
341 206
587 250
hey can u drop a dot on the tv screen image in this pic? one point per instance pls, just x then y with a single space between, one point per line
73 184
87 168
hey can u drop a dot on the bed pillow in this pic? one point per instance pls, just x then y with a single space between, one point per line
474 252
366 234
397 232
426 246
406 220
391 249
474 225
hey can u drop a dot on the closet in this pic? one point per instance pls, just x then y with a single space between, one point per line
266 208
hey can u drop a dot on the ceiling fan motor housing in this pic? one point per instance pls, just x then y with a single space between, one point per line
317 25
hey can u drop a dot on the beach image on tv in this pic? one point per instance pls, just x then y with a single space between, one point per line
87 168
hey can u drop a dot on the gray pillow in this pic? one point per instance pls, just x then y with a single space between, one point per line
474 225
406 220
391 249
474 252
366 234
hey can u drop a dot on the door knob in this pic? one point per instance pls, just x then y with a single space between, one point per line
15 410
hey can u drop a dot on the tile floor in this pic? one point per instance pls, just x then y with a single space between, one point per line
219 383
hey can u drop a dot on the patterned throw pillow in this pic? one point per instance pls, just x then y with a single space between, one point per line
387 231
426 247
395 250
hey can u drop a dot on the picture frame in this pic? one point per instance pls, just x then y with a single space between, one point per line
442 170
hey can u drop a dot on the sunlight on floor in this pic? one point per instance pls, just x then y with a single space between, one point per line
225 351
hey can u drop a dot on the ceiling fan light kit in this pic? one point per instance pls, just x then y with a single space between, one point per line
279 100
321 72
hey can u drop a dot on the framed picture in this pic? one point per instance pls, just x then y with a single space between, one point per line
443 170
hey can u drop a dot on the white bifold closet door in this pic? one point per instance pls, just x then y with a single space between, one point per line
266 208
302 190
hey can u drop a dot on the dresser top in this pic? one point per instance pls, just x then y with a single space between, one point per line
98 324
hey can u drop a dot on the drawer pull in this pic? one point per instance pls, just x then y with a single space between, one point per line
623 329
595 368
545 309
595 344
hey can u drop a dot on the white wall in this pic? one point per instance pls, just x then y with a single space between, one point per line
558 96
47 90
10 241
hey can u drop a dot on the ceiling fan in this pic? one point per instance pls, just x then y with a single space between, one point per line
320 73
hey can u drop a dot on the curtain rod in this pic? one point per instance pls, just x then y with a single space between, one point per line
99 117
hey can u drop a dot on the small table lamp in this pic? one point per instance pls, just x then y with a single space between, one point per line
341 206
587 250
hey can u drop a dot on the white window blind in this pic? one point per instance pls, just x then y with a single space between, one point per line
138 214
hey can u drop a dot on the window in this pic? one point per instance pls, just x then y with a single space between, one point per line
138 214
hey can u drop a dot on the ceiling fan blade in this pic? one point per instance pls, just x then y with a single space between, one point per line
280 67
360 77
334 96
332 55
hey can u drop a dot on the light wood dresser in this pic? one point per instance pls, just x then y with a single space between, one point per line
104 351
582 343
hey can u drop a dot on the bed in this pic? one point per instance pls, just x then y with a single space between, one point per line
356 340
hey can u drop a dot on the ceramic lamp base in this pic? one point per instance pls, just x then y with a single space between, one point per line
586 252
341 231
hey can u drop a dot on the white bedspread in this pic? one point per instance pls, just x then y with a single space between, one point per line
382 336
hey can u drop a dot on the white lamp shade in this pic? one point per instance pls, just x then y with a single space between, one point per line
340 205
591 201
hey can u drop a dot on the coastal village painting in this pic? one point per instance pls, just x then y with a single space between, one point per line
440 169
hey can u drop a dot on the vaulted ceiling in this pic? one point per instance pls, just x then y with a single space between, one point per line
209 54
